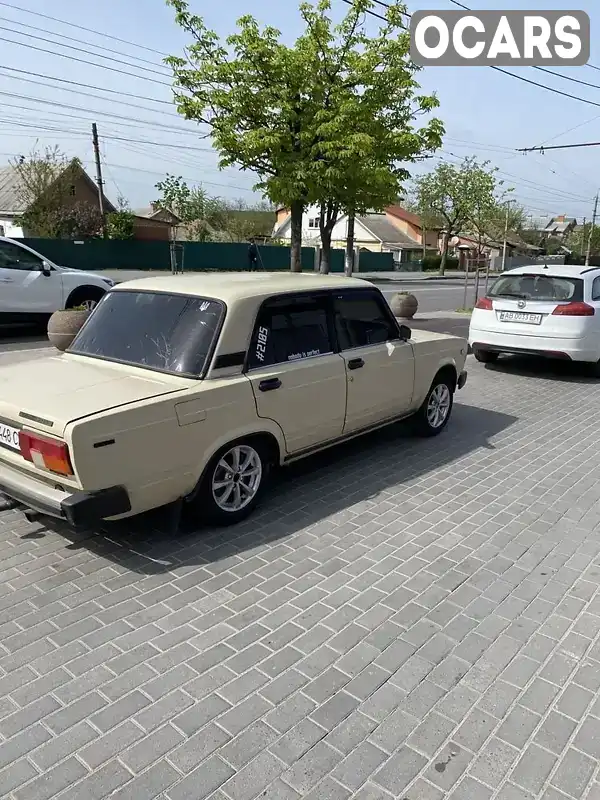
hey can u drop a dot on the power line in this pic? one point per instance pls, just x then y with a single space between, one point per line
568 78
81 28
499 69
88 63
118 138
189 178
95 96
557 147
81 41
86 86
96 112
80 50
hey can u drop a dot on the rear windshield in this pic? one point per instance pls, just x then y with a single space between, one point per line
538 287
165 332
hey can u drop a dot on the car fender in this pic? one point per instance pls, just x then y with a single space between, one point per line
260 426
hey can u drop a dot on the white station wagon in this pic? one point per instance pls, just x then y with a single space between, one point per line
191 388
550 311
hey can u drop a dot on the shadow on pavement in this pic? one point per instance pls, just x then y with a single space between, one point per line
546 368
453 325
317 491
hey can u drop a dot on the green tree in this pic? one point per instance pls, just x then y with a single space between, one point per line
324 121
577 241
120 223
203 215
460 195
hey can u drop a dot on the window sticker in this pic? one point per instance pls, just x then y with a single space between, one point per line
261 344
304 354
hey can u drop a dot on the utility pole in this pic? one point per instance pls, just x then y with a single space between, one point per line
589 245
505 235
99 180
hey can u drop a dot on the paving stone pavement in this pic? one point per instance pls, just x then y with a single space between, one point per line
404 618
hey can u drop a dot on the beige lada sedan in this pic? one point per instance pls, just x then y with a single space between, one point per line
194 387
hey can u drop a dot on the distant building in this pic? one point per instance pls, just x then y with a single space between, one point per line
560 226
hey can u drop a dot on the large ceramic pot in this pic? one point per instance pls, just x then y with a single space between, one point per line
404 305
63 326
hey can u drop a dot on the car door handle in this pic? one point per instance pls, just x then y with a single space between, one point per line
355 363
7 280
269 384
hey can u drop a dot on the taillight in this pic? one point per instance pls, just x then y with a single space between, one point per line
485 304
45 453
574 310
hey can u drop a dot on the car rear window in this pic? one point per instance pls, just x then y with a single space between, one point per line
165 332
538 287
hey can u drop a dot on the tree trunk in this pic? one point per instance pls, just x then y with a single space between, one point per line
349 255
327 220
296 212
325 265
444 252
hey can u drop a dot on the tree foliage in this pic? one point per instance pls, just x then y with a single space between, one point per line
326 121
464 197
201 214
577 240
120 223
45 189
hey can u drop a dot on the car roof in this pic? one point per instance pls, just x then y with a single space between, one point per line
554 270
233 286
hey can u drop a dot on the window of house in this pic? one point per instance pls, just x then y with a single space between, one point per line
72 191
361 320
313 222
290 329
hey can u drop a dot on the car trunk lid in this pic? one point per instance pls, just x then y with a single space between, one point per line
52 391
526 305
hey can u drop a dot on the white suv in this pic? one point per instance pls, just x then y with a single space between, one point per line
32 288
551 311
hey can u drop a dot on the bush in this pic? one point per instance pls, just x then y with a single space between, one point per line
432 263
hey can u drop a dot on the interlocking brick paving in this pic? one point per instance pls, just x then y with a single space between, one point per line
404 618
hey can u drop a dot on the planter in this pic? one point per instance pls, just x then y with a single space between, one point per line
63 326
404 305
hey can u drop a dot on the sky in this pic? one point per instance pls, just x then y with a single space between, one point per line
486 113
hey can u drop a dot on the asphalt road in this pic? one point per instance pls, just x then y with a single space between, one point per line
432 297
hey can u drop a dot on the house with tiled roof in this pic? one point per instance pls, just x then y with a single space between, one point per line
560 226
394 230
12 205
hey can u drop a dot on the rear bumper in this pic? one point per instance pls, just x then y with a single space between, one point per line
583 349
76 508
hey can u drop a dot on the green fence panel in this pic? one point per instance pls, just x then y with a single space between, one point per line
98 254
375 262
112 254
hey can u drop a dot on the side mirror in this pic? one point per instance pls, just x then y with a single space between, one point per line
46 269
405 332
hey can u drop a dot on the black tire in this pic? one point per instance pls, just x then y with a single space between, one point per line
424 419
204 504
84 296
592 369
486 356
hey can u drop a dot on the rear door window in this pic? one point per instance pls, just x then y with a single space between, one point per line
544 288
361 319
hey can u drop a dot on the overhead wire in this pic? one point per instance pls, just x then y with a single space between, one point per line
80 41
85 86
80 27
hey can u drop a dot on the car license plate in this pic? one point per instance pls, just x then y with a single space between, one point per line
9 436
520 316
